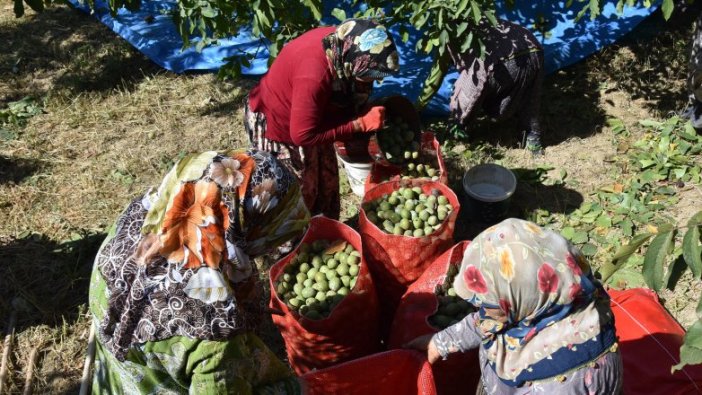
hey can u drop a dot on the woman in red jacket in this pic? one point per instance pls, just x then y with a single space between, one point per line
316 93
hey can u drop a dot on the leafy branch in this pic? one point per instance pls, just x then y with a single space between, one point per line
441 24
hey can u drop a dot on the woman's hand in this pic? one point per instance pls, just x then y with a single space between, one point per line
372 120
423 343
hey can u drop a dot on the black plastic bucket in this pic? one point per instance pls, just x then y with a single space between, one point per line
487 191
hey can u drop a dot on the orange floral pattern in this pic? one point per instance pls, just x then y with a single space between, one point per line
193 228
246 167
506 263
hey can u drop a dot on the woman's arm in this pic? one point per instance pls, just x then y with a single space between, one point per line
459 337
310 123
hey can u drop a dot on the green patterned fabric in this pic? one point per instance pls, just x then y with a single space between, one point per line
173 293
181 365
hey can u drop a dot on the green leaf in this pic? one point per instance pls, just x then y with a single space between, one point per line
691 350
461 28
189 168
491 17
695 219
589 249
604 221
580 237
467 42
444 38
624 252
624 278
692 252
627 227
476 11
340 14
461 7
200 45
315 6
646 163
263 22
667 8
433 82
654 260
648 123
568 232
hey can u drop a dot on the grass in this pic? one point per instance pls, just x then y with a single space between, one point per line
112 123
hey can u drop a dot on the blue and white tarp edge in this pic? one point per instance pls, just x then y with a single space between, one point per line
151 31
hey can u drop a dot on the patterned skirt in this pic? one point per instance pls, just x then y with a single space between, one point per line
316 167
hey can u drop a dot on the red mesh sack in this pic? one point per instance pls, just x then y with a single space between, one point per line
396 261
402 372
384 171
461 370
349 332
650 340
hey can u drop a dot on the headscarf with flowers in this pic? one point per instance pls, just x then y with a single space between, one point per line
178 262
359 48
541 311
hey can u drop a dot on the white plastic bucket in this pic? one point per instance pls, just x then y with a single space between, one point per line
357 174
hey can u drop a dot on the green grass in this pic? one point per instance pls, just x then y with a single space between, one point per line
112 124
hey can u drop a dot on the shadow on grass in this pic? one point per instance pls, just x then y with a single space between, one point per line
73 388
66 50
570 107
50 278
654 63
237 92
14 170
529 197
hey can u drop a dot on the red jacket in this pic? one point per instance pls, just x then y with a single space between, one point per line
295 95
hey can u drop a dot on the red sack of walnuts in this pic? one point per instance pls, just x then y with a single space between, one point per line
649 341
403 372
349 332
460 371
384 171
396 260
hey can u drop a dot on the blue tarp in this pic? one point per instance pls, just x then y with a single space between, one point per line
565 42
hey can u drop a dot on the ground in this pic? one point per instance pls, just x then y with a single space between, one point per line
112 123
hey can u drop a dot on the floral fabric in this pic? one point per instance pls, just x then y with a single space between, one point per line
315 167
359 48
180 365
541 312
505 83
177 262
603 375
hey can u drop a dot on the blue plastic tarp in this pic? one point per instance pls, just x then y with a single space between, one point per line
151 31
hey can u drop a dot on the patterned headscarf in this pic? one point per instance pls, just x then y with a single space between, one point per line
359 48
541 311
179 260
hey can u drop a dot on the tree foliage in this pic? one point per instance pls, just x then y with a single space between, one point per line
441 23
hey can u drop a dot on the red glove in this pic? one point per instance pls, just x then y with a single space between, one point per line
371 120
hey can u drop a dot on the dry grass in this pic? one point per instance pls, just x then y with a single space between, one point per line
114 123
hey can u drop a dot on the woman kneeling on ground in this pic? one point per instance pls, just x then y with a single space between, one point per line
315 93
543 323
506 83
173 292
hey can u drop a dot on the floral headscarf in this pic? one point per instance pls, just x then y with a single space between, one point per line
178 262
541 311
359 48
